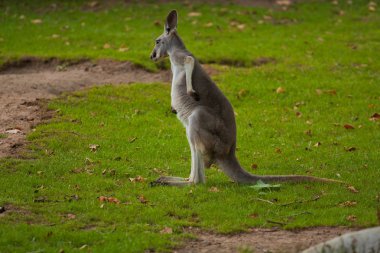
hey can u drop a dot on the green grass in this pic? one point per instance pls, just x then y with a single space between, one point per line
138 136
306 34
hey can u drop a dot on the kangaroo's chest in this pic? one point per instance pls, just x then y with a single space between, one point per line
180 101
178 83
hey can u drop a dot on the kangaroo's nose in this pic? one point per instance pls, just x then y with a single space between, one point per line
153 55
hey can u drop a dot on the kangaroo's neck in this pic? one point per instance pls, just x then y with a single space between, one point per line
177 48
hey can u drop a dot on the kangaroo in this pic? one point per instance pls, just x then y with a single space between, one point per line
206 114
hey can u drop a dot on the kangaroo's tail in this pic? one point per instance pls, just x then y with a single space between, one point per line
231 167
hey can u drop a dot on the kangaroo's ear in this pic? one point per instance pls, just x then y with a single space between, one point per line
171 21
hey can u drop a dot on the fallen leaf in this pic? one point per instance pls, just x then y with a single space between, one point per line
113 200
283 2
299 114
348 126
253 166
349 149
166 230
319 91
213 189
331 92
254 215
209 24
280 90
93 147
93 4
352 189
241 26
137 179
308 132
36 21
132 140
13 131
88 161
278 150
317 144
109 199
123 49
106 46
348 203
372 6
71 216
351 218
142 199
375 117
242 93
194 14
83 247
55 36
103 199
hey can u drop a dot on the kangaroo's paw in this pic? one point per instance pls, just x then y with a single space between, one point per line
173 110
194 95
171 181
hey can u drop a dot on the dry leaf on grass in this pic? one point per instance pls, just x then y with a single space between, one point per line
194 14
280 90
348 203
109 199
375 117
137 179
36 21
142 199
93 147
123 49
166 230
213 189
348 126
254 166
254 215
349 149
351 218
352 189
71 216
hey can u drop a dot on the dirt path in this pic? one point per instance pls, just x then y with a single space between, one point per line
261 240
28 83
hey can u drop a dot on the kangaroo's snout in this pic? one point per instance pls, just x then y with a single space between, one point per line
153 55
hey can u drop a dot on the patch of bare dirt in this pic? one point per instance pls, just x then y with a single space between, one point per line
260 240
27 84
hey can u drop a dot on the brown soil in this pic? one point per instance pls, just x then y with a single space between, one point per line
261 240
25 86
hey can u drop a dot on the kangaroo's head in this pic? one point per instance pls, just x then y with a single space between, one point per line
165 40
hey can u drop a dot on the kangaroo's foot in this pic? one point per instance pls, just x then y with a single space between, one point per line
171 181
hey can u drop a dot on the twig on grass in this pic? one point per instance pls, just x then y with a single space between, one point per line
277 222
264 200
315 198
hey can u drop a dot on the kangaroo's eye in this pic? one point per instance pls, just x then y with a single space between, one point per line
157 42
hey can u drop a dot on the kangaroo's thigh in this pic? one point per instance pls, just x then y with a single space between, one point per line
204 133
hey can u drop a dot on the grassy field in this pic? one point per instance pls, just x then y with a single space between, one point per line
326 59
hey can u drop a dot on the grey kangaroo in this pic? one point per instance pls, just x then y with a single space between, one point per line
206 114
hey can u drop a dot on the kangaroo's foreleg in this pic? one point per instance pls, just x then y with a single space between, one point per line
189 67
